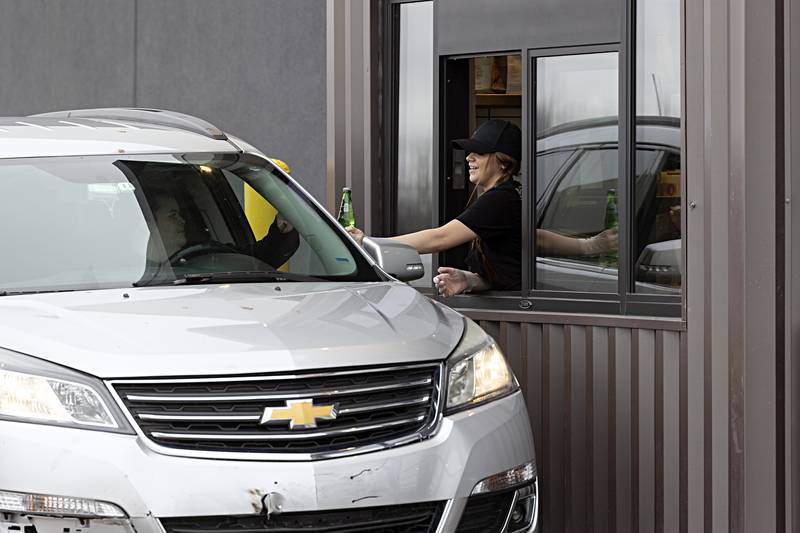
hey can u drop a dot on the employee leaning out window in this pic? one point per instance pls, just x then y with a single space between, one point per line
492 221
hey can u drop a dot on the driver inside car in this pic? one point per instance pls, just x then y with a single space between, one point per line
170 222
277 246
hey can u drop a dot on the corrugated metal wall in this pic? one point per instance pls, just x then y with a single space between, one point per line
605 399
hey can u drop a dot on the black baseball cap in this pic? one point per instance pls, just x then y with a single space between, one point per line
494 135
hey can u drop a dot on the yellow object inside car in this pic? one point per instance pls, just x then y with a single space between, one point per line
259 212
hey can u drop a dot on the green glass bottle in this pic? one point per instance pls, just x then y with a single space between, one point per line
612 221
347 216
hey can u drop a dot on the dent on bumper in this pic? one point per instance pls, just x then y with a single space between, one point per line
468 447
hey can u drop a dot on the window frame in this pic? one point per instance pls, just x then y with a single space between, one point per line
547 300
625 301
389 36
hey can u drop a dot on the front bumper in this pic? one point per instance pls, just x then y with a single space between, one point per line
468 447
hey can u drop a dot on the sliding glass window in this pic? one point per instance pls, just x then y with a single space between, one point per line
606 176
656 235
577 172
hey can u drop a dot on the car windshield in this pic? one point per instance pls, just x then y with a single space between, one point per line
72 223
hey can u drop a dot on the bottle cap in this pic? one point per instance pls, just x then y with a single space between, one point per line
348 189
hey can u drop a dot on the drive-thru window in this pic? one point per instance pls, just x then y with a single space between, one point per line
601 117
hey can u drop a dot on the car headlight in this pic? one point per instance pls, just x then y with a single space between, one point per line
477 371
32 390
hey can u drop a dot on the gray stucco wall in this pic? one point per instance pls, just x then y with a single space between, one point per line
255 68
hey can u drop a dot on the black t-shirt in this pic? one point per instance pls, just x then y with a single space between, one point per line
496 217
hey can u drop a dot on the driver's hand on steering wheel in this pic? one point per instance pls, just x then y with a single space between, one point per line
202 248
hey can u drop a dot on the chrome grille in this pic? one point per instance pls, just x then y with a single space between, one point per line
375 407
408 518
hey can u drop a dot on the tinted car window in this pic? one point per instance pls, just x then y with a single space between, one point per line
97 222
577 206
547 166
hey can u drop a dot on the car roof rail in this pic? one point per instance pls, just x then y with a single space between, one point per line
156 117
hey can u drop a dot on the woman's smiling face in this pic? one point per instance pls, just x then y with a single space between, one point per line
483 169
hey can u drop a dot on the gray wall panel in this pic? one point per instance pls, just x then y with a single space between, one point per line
646 439
578 431
793 265
57 56
637 475
510 336
734 462
524 23
532 349
602 446
492 328
553 437
605 408
255 68
626 387
671 443
759 357
699 142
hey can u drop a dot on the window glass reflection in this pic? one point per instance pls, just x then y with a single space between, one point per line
657 232
577 172
547 165
415 118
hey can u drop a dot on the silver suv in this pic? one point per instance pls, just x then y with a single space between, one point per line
189 342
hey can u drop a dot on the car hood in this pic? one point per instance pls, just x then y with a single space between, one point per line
229 329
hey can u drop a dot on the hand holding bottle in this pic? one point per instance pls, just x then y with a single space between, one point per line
356 233
605 242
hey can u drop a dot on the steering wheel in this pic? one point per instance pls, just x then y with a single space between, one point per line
203 248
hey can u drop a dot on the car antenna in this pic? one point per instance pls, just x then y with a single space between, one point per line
658 97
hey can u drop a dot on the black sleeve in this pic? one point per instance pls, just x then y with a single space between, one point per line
276 248
491 214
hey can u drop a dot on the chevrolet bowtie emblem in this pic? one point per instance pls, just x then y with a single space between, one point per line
301 414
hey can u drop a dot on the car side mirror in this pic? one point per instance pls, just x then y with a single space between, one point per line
660 263
395 258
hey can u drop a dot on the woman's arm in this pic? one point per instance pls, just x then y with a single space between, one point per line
551 243
452 281
438 239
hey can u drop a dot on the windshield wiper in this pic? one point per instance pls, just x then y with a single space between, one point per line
242 276
4 292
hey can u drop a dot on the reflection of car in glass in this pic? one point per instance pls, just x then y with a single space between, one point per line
577 168
173 360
